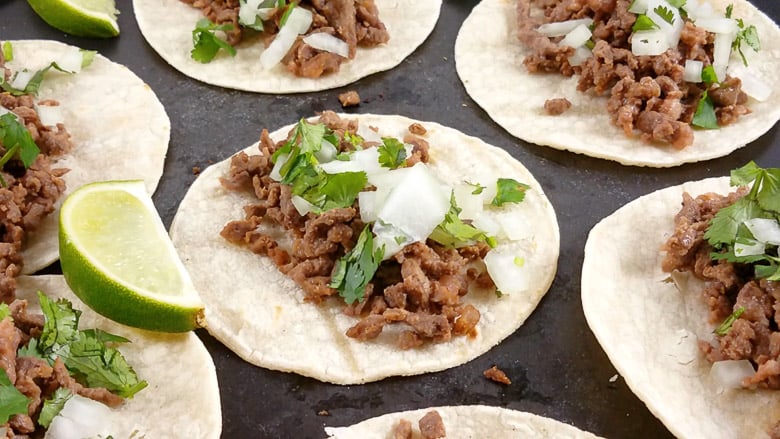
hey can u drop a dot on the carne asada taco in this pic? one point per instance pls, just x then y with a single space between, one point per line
100 123
390 235
272 46
612 101
468 421
78 374
694 335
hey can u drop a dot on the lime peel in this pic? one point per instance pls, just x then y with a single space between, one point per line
84 18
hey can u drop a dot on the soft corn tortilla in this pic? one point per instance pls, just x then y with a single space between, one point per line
182 398
466 422
489 61
167 26
118 127
260 313
649 329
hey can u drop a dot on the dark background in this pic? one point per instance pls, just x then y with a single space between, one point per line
556 365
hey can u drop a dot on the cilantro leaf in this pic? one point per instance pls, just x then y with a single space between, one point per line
705 116
4 311
31 350
665 13
725 224
392 153
708 75
453 232
355 269
206 43
725 326
342 189
729 10
53 406
643 22
12 401
745 175
17 142
509 191
747 35
61 322
353 139
478 188
87 56
8 51
256 24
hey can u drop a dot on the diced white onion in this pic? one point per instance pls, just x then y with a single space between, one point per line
728 374
649 42
638 7
70 60
369 160
562 28
391 237
749 248
671 30
764 229
754 86
368 134
326 153
470 204
340 166
698 10
251 10
581 54
487 224
389 179
692 72
21 79
327 42
577 37
721 54
302 206
298 22
80 417
509 276
275 174
513 226
50 115
718 25
369 204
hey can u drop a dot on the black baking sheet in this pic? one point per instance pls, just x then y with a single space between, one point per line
557 367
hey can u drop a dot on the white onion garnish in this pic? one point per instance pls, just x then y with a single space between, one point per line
638 7
251 10
80 417
327 42
21 79
577 37
749 248
721 54
764 229
508 268
327 152
581 54
562 28
698 10
301 205
728 374
298 22
649 42
368 134
70 60
341 166
718 25
275 174
753 85
50 115
692 72
671 30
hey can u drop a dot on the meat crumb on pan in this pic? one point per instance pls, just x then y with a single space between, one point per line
403 430
349 98
417 129
432 426
556 106
497 375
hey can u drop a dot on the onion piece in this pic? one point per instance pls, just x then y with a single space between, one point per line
581 54
577 37
749 248
21 79
70 60
326 153
692 72
298 22
50 115
671 30
275 174
649 42
327 42
752 85
718 25
508 268
728 374
368 135
721 54
80 417
638 7
562 28
764 229
301 205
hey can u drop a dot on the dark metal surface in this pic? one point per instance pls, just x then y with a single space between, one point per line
557 367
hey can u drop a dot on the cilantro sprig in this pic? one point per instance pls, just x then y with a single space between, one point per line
725 326
509 191
392 153
53 406
12 401
206 43
643 22
34 84
355 269
17 142
453 232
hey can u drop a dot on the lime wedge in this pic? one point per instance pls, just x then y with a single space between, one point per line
84 18
117 257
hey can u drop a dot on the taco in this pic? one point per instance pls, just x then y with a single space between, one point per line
102 123
167 387
468 421
168 26
402 311
614 112
660 299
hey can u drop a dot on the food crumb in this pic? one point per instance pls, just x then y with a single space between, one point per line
497 375
323 413
556 106
349 99
613 378
417 129
196 170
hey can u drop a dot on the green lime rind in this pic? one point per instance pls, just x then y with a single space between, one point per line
62 15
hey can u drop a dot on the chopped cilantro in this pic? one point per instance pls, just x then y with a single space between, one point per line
85 353
590 44
341 190
353 139
286 14
392 153
12 401
453 232
643 22
17 142
355 269
206 43
665 13
705 113
509 191
87 56
256 24
519 261
53 406
4 311
747 35
725 326
399 239
676 3
8 51
708 75
478 188
729 10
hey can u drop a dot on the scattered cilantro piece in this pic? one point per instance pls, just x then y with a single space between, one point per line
85 353
519 261
747 35
478 188
206 43
708 75
724 226
17 142
509 191
705 113
341 190
12 401
499 294
355 140
392 153
399 239
665 13
87 56
4 311
643 22
257 24
453 232
30 350
729 10
53 406
8 51
355 269
590 44
286 14
725 327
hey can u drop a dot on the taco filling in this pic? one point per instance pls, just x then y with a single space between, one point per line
56 377
345 212
310 38
664 64
731 243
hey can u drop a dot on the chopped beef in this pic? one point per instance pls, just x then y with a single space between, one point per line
356 22
417 129
432 426
497 375
648 97
34 377
556 106
420 287
349 98
403 430
728 286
